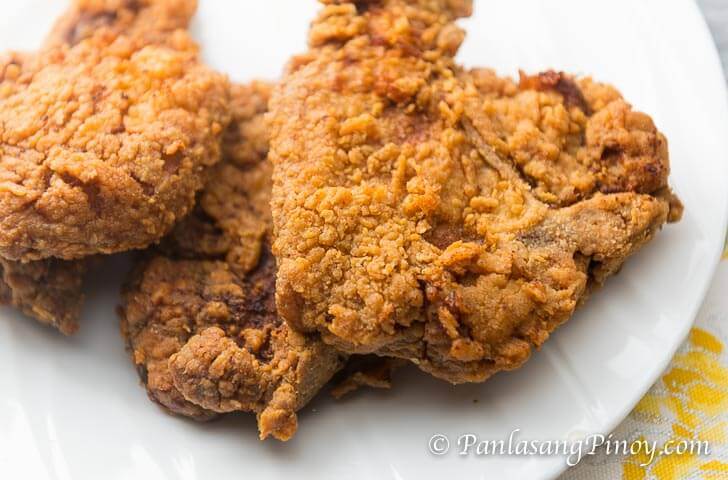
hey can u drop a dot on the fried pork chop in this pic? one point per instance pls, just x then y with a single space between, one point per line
107 131
447 217
200 317
107 134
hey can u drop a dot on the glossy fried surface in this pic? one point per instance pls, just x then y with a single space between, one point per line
447 217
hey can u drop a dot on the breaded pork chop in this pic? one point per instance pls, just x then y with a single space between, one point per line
107 132
448 217
200 317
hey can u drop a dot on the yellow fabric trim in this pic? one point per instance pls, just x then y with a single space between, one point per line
695 389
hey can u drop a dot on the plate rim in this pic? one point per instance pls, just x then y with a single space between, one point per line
660 367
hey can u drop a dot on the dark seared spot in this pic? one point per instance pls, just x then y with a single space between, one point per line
558 82
608 184
146 187
262 286
134 5
593 269
611 155
256 308
97 93
232 136
87 22
653 169
431 293
611 189
573 96
143 373
5 292
47 177
530 180
120 128
172 162
469 279
620 172
537 237
442 236
377 369
379 41
91 190
409 49
363 6
197 237
454 302
266 352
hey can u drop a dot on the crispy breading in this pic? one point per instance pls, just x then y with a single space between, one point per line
448 217
107 131
569 138
200 316
48 290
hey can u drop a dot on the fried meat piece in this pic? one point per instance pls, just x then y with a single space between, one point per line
365 371
48 290
448 217
107 131
200 318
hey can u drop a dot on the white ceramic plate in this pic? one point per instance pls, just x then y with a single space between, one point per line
73 408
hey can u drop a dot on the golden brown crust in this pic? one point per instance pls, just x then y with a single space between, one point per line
47 290
223 375
201 320
450 218
107 132
569 138
151 21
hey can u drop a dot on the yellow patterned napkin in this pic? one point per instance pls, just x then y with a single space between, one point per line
689 403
